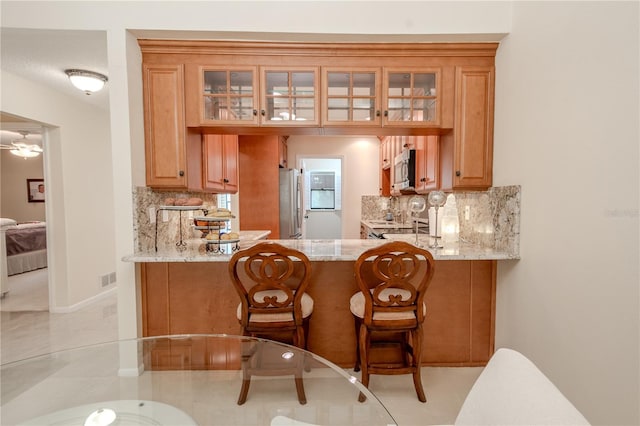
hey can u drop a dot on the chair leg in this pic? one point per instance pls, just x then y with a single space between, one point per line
244 391
302 398
417 361
364 359
248 351
357 323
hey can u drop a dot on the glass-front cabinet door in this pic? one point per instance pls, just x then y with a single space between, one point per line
411 97
351 97
229 96
289 96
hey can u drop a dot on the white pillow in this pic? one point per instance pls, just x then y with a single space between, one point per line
6 222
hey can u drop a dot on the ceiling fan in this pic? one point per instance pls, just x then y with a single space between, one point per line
22 148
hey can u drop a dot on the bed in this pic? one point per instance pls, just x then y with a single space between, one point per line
26 246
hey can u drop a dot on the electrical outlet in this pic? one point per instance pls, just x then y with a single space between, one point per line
467 212
152 215
104 280
112 278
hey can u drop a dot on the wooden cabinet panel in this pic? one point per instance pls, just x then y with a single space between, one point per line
220 158
196 298
259 180
427 163
165 145
473 158
466 153
202 299
483 297
155 298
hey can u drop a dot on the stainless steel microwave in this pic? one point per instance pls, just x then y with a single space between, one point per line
404 176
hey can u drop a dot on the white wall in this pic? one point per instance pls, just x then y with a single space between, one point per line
80 196
566 125
359 178
13 187
566 129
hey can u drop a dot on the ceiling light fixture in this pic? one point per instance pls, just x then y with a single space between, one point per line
22 148
87 81
24 152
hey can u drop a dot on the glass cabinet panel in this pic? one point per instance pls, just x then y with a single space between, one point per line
229 95
289 96
351 97
412 96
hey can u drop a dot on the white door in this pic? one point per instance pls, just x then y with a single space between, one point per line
320 221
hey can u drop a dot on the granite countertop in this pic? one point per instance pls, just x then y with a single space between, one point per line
316 250
384 224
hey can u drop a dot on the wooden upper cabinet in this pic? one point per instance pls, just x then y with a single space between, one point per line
172 153
220 163
229 96
427 163
351 96
473 131
411 97
289 96
466 153
259 96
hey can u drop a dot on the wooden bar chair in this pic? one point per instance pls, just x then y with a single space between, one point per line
271 281
389 310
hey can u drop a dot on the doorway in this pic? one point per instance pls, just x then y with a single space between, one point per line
321 197
24 280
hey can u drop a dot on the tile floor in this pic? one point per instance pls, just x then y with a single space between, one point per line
29 333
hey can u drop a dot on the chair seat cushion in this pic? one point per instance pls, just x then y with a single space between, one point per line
306 303
356 304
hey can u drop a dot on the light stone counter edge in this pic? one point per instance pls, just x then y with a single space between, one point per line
316 250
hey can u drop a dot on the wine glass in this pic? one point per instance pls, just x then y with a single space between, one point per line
436 199
416 206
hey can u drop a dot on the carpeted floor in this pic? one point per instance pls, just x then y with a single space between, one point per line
28 291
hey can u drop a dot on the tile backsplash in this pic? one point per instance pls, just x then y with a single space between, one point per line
145 199
494 215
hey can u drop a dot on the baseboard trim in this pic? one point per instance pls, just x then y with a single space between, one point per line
82 304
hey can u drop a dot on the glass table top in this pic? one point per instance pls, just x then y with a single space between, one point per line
183 380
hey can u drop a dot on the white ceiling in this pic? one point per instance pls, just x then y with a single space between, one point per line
43 55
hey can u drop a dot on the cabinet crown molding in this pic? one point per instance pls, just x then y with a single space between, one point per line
216 47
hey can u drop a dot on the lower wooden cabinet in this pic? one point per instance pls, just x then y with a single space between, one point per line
199 298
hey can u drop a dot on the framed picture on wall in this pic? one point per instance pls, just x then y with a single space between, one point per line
35 190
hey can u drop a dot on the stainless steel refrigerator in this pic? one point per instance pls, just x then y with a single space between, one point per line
290 204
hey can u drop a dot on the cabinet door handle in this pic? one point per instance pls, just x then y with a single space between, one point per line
181 173
263 112
225 180
378 113
423 179
386 113
255 112
458 173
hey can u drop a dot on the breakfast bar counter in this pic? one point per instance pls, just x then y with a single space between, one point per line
188 291
317 250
